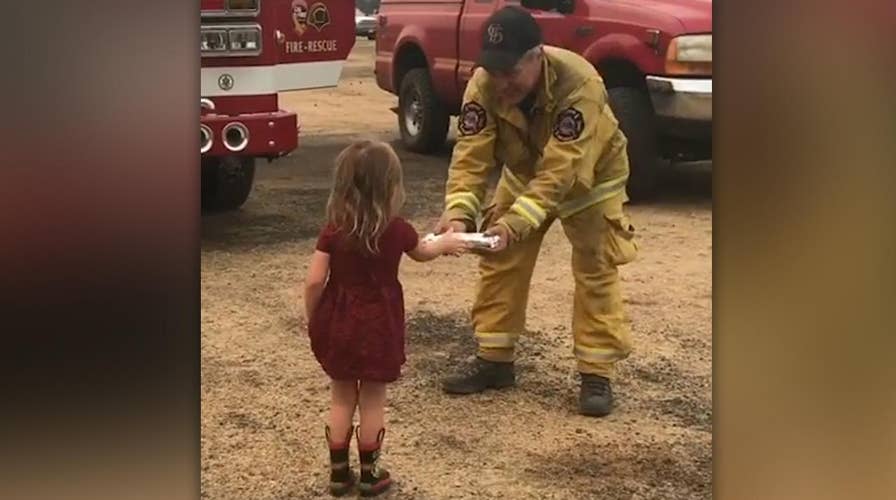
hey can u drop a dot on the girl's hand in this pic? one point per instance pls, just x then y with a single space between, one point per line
450 242
453 244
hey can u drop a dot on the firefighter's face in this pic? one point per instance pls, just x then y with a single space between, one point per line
514 85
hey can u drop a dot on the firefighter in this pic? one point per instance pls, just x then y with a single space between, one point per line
541 113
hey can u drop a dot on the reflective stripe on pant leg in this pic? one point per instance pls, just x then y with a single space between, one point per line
497 340
599 193
499 310
601 332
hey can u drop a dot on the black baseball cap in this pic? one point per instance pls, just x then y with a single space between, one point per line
507 34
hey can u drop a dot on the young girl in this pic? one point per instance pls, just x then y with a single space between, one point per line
355 306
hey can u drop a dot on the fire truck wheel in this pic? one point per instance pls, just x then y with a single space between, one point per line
421 118
634 111
226 182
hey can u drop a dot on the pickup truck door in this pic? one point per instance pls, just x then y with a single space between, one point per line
472 20
557 29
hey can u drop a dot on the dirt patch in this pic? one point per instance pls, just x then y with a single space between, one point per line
264 398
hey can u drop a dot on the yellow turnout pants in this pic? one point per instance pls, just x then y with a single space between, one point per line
602 239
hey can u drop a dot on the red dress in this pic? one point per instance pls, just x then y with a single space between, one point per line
357 331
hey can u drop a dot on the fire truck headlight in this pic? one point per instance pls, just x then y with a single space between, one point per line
212 41
245 40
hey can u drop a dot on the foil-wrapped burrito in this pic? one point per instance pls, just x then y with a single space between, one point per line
479 240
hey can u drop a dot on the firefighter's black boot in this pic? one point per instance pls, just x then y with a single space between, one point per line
342 478
596 396
374 479
479 376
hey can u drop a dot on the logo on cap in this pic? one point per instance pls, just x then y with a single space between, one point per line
495 33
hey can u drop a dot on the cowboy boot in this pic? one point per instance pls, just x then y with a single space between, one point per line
374 479
342 478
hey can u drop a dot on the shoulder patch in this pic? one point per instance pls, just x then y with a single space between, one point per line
472 119
569 125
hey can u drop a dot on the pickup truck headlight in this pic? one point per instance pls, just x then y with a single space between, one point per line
690 55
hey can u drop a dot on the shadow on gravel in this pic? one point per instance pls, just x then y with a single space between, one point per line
436 342
286 215
666 393
625 470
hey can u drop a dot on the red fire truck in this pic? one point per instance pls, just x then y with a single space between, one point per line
250 51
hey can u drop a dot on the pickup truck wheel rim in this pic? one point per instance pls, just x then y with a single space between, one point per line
413 117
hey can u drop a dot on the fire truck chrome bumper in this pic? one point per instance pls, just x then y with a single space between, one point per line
681 98
257 134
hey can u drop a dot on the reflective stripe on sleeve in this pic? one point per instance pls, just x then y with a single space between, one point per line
529 210
464 199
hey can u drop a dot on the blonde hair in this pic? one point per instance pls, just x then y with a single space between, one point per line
367 193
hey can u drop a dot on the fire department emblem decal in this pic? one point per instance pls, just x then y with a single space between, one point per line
317 16
472 119
569 125
225 82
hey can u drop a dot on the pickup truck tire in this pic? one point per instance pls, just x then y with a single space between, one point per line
422 119
226 182
634 112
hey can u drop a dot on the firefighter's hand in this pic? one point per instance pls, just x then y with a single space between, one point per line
444 224
503 234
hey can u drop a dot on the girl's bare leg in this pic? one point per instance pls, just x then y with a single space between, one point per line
344 399
372 406
342 407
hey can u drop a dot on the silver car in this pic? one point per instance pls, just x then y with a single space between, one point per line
365 25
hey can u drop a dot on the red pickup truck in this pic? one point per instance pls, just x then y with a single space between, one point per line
655 57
